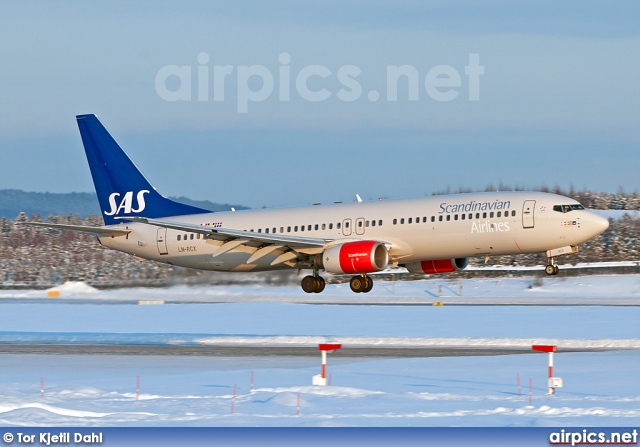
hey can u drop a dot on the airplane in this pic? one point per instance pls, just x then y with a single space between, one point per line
426 235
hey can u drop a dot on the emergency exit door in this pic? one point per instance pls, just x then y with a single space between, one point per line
528 209
162 241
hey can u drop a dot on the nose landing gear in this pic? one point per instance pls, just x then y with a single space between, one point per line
551 268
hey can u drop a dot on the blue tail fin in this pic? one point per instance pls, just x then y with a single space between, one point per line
122 189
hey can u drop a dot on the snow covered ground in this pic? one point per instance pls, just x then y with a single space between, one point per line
601 388
426 291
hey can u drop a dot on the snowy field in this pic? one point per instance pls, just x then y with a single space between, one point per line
589 289
601 386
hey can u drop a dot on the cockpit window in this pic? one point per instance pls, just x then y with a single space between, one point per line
567 208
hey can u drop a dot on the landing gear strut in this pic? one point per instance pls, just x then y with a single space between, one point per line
551 268
361 284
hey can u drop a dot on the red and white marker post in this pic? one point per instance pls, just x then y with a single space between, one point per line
321 379
233 399
554 382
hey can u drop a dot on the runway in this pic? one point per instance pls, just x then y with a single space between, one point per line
263 351
358 300
252 322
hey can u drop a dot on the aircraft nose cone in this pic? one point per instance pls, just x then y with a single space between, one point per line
598 223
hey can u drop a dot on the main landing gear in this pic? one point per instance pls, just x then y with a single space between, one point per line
361 284
551 268
315 283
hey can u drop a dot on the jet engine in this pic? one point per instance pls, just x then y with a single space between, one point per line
354 258
437 266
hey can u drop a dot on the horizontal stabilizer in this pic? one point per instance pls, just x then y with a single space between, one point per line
100 231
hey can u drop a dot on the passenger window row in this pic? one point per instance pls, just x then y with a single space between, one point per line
190 236
373 223
449 217
318 227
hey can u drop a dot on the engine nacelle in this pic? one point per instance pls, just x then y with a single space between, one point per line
354 257
437 266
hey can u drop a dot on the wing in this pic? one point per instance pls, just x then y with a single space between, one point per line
223 234
288 248
100 231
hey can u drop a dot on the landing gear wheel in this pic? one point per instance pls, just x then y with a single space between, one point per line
358 284
309 284
319 284
369 286
551 270
313 284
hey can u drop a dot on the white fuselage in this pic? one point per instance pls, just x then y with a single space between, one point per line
438 227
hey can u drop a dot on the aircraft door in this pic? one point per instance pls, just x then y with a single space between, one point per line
360 225
346 227
162 241
528 210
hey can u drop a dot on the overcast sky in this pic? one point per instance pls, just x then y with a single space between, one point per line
520 93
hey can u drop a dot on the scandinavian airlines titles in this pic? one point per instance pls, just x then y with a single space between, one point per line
489 227
476 226
496 205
